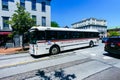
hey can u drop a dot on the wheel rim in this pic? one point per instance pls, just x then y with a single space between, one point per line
91 44
54 50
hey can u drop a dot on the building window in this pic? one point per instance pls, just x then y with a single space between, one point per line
22 3
43 7
33 4
5 25
43 21
4 4
34 18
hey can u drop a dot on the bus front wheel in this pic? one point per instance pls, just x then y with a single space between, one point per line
91 44
54 50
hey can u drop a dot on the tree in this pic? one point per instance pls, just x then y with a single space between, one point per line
21 21
113 33
54 24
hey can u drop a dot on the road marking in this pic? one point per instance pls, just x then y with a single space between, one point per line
22 63
36 60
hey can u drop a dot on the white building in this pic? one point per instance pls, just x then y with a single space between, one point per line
92 23
40 10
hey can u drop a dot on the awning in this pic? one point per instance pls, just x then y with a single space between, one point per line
4 33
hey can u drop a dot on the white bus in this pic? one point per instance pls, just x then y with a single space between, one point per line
49 40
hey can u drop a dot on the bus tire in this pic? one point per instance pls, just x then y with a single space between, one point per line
54 50
91 44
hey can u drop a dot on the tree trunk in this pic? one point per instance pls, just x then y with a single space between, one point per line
22 41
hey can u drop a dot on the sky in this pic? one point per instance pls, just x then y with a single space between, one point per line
66 12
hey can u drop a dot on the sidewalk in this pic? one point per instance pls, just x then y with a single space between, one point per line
12 50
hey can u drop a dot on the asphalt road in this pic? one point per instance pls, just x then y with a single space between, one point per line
81 64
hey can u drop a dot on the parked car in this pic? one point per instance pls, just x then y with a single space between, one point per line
112 45
104 39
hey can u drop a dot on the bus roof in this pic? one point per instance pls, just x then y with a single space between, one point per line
62 29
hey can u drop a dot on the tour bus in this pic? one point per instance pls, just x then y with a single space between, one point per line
49 40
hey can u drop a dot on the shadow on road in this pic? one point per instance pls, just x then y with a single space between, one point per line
59 75
40 56
77 49
112 55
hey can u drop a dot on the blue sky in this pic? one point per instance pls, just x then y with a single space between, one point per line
66 12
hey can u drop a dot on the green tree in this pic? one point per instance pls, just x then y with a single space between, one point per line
54 24
21 21
114 33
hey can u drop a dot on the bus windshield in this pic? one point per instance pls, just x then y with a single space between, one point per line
36 36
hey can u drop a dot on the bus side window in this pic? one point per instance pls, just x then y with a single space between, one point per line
66 35
40 35
63 35
70 35
92 35
51 35
81 35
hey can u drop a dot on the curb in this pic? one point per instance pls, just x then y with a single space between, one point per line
14 51
19 52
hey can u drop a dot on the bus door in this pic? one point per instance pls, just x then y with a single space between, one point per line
41 42
37 42
32 44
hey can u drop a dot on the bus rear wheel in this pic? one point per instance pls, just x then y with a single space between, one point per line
54 50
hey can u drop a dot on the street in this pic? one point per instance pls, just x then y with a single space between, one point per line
80 64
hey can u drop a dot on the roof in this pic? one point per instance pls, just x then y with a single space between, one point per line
89 20
63 29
